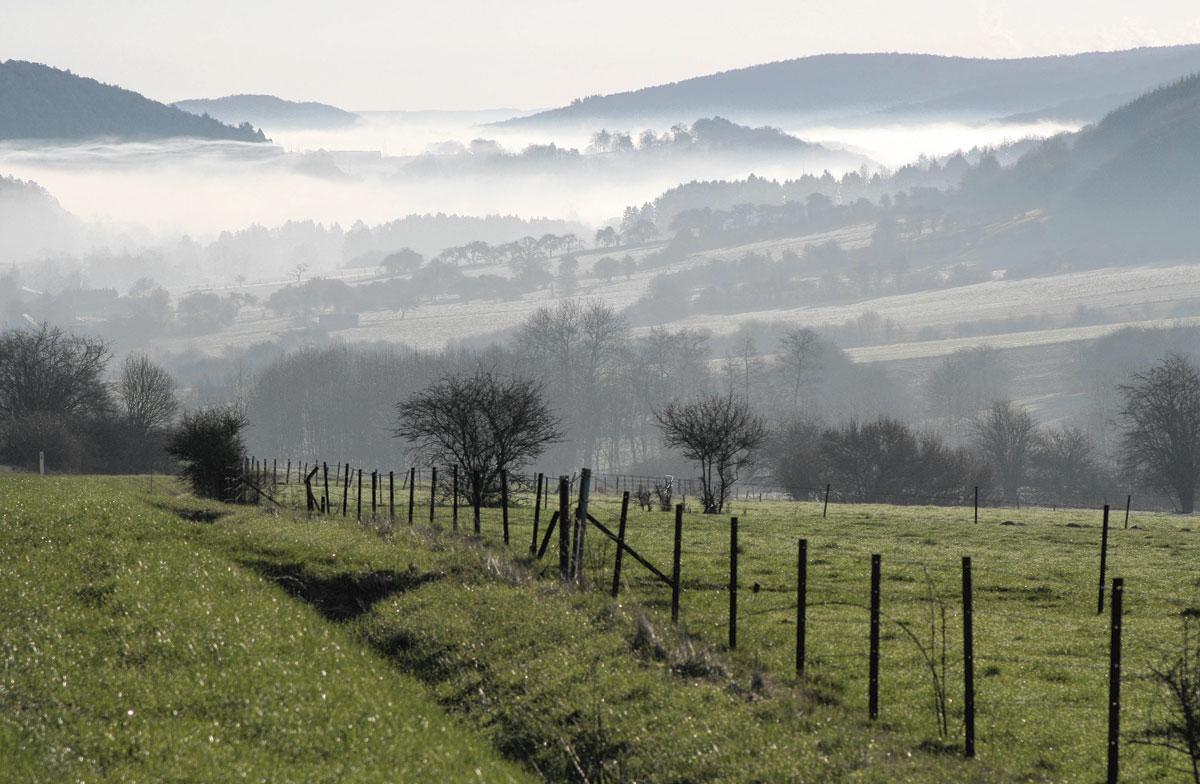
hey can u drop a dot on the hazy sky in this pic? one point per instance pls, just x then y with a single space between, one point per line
457 54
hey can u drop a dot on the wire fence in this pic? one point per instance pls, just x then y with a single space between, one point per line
852 630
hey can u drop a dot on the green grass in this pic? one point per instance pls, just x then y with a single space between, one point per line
134 651
315 649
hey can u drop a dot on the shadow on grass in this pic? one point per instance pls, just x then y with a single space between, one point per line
340 597
193 515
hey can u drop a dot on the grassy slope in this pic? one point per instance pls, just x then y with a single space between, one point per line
132 651
550 677
1041 648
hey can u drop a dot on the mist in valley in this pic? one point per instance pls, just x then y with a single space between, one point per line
862 262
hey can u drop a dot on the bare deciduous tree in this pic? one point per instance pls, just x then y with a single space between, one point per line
1162 428
799 353
1008 437
481 422
50 371
1178 684
148 394
721 433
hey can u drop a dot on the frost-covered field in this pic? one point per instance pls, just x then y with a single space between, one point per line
1028 339
1120 287
1139 296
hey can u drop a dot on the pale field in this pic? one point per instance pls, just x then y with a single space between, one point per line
1130 296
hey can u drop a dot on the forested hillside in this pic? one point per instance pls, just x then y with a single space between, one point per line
40 102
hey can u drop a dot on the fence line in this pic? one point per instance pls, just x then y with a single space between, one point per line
260 480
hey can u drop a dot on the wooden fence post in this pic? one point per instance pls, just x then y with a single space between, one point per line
412 490
537 514
454 497
1114 682
801 604
564 530
1103 561
976 504
616 583
374 482
346 490
325 476
825 511
873 672
287 474
1128 502
275 471
733 581
359 512
968 660
675 563
392 497
432 494
581 524
504 502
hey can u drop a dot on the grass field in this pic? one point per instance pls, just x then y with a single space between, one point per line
119 598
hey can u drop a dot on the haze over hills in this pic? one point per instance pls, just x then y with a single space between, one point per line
41 102
898 86
269 111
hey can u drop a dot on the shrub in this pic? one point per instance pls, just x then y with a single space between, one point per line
208 446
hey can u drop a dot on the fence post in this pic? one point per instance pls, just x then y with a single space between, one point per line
825 511
581 524
976 504
537 514
287 473
432 492
1128 502
346 491
675 563
504 502
325 476
275 471
733 581
1114 682
1103 561
454 497
873 673
564 530
616 584
801 604
412 489
968 660
359 512
374 482
476 497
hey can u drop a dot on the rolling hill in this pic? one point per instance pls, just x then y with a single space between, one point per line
897 85
40 102
268 111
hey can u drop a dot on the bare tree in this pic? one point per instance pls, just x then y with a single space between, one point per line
799 353
1162 428
721 433
1008 437
1065 463
52 372
481 422
1178 684
148 394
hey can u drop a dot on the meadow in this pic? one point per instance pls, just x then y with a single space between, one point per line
283 635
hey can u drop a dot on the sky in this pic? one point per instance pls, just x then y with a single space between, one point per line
468 54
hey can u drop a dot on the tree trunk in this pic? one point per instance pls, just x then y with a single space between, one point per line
1187 499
